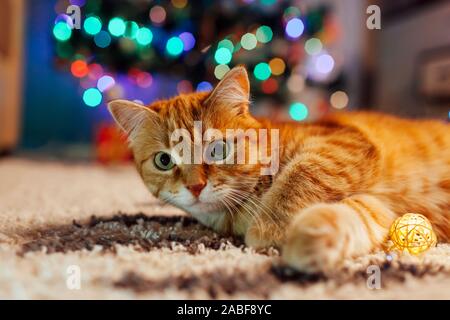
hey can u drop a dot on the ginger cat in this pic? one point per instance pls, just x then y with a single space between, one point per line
341 181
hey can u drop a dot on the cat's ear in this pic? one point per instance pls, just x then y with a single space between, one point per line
131 116
233 90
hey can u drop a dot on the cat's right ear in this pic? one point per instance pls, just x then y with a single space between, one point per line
131 116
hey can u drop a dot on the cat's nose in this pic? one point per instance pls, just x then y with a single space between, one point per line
197 188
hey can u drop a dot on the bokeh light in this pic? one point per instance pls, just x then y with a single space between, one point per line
184 86
313 46
62 31
158 15
295 28
116 92
262 71
264 34
174 46
179 4
324 63
225 43
144 36
105 83
277 66
131 29
92 97
296 83
221 70
79 3
92 25
79 69
102 39
117 27
248 41
268 2
127 45
339 100
298 111
62 17
188 41
95 71
144 79
223 56
269 86
204 86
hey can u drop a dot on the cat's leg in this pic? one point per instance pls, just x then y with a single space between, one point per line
327 170
321 236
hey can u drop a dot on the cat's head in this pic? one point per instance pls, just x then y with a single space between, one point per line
202 188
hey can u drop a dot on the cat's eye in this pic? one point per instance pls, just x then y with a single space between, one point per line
163 161
218 150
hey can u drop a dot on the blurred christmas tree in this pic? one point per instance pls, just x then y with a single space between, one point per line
124 45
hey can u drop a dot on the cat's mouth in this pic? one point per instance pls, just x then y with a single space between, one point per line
198 204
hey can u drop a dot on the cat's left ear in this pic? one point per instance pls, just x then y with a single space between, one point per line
233 90
131 117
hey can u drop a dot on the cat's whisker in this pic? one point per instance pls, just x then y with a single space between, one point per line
259 205
248 209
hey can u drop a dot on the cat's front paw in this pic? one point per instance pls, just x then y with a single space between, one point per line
317 239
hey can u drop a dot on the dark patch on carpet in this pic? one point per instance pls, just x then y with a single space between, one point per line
260 284
144 232
220 283
215 283
154 232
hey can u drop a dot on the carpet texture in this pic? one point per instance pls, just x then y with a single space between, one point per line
101 222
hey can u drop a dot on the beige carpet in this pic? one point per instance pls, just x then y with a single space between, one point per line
135 247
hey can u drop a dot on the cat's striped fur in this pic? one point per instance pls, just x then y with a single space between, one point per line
342 181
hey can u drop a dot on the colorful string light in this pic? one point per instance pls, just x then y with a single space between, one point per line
249 41
174 46
184 86
92 25
339 100
223 56
296 83
262 71
298 111
158 15
131 29
204 86
117 27
79 69
92 97
95 71
102 39
295 28
264 34
144 80
269 86
277 66
188 41
324 63
105 83
225 43
221 70
313 46
179 4
62 31
144 36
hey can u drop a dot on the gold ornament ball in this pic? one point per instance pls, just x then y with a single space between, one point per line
413 233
